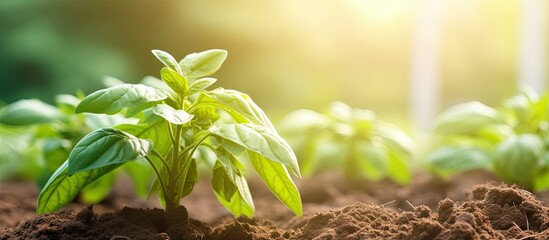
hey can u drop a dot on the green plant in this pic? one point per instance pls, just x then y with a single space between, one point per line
512 141
354 140
37 138
180 123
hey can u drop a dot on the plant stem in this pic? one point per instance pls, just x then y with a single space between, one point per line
164 189
162 159
172 201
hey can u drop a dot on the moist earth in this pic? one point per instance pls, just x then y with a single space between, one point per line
469 206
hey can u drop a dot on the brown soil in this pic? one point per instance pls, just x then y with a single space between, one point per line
333 209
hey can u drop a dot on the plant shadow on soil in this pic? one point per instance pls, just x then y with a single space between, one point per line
467 206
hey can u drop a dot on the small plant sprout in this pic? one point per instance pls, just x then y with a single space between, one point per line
180 124
353 140
511 141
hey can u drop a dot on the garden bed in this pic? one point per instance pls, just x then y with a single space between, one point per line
333 209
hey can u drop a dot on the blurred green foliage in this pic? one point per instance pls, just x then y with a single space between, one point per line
36 138
512 140
354 141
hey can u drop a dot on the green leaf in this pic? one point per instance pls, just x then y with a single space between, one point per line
231 189
303 120
240 106
177 83
95 121
150 127
205 154
450 160
517 159
177 117
261 140
112 100
159 84
99 189
197 65
110 81
325 154
341 111
467 118
66 103
399 168
278 180
29 112
140 172
106 146
394 138
200 85
167 60
62 189
372 161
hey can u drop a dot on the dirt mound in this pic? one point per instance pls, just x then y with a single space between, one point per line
127 223
492 211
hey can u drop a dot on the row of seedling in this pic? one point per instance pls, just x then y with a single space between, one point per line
166 132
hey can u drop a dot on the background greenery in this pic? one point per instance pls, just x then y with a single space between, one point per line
286 54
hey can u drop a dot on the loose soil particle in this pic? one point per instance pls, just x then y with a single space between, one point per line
488 211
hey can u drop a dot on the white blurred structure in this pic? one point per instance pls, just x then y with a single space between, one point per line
424 82
533 45
427 33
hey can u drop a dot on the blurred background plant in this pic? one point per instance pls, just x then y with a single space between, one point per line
353 141
38 137
511 141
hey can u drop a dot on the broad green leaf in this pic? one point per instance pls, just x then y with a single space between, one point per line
106 146
261 140
99 189
278 180
200 85
205 154
234 194
112 100
62 189
55 151
150 127
327 153
167 60
66 103
240 106
371 161
159 84
467 118
197 65
28 112
394 138
517 159
341 111
95 121
299 121
177 117
140 172
110 81
177 83
450 160
399 168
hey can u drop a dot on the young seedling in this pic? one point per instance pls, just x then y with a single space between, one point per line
353 140
180 123
511 141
